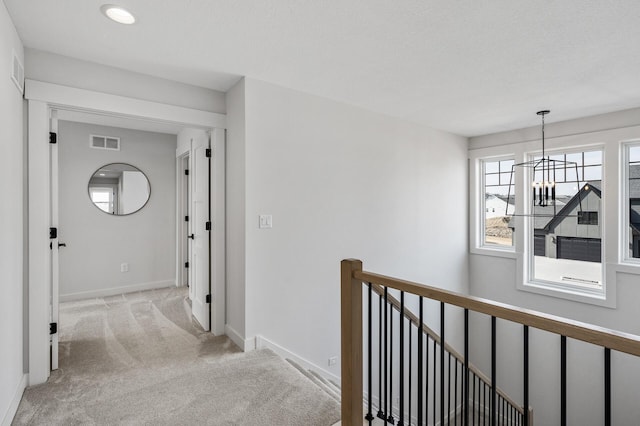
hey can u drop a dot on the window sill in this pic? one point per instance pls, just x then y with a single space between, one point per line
496 252
599 298
628 267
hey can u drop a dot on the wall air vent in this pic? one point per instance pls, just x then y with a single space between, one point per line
104 142
17 73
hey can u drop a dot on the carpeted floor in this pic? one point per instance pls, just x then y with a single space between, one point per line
139 359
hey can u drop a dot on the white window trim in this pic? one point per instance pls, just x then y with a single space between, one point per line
555 286
629 262
477 203
606 295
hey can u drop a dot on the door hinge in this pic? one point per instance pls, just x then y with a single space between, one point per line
207 152
53 327
186 264
53 233
207 226
186 172
208 298
53 137
186 218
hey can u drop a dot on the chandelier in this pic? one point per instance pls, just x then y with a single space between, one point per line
543 172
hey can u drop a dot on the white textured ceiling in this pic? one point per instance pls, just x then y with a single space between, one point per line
466 66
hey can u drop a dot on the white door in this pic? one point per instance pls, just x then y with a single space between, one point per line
200 243
55 246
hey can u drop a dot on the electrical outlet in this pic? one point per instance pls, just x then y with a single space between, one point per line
124 267
265 221
333 361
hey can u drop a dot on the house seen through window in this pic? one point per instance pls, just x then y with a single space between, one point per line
567 233
634 201
499 203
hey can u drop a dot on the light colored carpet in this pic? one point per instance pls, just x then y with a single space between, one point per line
139 359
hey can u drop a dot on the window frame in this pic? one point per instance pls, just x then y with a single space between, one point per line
484 209
625 205
521 145
561 289
617 267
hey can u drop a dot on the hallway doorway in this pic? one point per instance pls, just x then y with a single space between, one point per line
43 100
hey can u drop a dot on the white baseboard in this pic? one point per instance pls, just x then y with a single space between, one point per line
245 344
114 291
15 401
262 342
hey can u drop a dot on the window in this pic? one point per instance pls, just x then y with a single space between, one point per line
632 168
566 248
102 198
587 218
499 203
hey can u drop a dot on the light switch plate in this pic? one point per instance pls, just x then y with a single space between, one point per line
265 221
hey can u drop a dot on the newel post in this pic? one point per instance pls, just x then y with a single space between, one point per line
351 340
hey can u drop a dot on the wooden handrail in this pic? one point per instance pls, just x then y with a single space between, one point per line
600 336
432 334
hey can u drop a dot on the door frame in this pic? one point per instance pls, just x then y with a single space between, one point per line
42 99
182 210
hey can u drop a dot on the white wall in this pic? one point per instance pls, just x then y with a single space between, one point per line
340 182
135 189
11 224
495 278
97 243
235 203
52 68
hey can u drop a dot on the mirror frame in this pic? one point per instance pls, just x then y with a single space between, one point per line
119 214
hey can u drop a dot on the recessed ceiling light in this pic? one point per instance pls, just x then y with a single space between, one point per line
118 14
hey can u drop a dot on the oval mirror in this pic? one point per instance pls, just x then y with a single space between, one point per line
119 189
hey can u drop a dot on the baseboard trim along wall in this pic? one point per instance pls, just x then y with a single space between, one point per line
113 291
13 407
262 342
245 344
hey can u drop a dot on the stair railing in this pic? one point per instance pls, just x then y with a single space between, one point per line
480 400
511 412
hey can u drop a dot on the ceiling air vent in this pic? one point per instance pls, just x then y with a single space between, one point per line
105 142
17 73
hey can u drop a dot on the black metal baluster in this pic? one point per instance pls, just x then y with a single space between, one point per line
369 416
386 352
607 387
435 387
390 412
510 419
466 367
442 343
484 403
426 382
410 372
563 381
420 360
449 391
473 413
380 377
455 391
525 372
401 391
493 371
